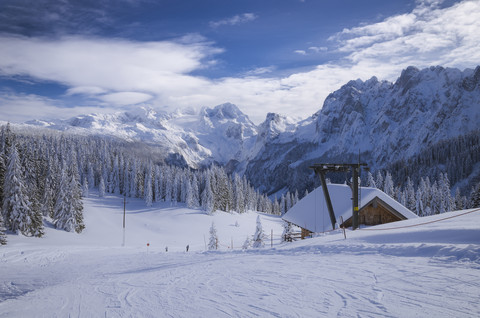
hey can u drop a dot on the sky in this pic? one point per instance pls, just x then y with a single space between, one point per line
62 58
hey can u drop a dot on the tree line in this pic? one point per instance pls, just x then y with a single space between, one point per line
43 178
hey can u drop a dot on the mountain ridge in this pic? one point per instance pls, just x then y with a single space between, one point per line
380 120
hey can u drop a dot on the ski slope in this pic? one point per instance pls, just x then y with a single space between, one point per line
402 269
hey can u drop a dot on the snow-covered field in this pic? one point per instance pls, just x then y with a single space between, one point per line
428 270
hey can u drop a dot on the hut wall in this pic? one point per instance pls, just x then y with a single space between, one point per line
373 214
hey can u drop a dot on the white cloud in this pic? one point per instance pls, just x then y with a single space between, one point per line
429 35
85 90
237 19
117 72
261 70
301 52
21 107
318 49
117 65
125 98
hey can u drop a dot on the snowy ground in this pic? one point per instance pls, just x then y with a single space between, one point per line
428 270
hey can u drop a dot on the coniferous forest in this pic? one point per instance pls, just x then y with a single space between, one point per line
43 178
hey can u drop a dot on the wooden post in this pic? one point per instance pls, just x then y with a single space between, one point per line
271 239
124 204
343 227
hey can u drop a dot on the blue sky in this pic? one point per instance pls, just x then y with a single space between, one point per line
63 58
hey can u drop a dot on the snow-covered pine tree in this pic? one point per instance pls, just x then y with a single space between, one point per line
48 197
101 187
370 180
458 200
207 195
85 187
2 176
148 191
419 203
168 185
3 236
410 195
18 213
157 184
283 207
259 236
175 188
68 211
288 201
388 187
213 241
287 230
475 196
276 206
379 180
195 200
90 175
247 243
239 194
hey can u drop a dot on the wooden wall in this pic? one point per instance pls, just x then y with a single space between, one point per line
374 214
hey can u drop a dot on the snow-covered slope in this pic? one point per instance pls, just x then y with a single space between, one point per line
414 268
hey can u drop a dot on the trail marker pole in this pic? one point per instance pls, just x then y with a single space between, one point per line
124 204
271 239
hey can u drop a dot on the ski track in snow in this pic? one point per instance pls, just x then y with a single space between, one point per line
119 283
411 272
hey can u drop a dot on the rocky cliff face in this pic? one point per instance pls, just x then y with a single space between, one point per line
382 121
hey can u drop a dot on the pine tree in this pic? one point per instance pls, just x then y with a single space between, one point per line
2 176
3 236
475 196
388 187
101 187
148 191
411 201
85 187
370 180
213 242
458 200
18 213
379 180
259 236
247 243
287 230
68 211
207 196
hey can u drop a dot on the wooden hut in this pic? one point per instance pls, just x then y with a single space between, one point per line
375 207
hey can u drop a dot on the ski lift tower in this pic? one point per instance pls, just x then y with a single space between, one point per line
322 168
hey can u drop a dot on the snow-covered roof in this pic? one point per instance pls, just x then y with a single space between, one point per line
311 212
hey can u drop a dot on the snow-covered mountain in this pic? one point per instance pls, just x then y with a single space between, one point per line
192 137
383 121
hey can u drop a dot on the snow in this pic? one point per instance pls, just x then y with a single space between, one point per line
413 268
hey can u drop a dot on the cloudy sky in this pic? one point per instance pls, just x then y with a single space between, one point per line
60 58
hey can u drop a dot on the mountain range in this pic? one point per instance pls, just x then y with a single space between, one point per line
379 121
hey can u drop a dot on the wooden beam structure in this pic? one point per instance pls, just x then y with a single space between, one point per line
322 168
